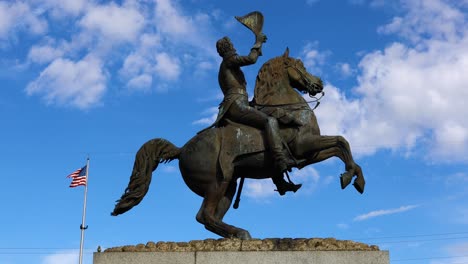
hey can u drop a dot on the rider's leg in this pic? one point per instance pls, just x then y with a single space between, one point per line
282 162
276 145
241 112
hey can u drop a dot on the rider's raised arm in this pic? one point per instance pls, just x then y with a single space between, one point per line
246 60
255 52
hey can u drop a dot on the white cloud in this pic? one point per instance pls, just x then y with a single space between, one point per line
212 112
434 18
307 174
458 251
336 113
20 16
148 41
311 179
134 65
144 38
345 69
141 82
451 140
65 257
183 29
205 121
65 8
458 248
138 66
167 67
260 189
113 22
44 53
313 57
409 93
384 212
6 19
204 67
342 226
452 260
171 20
64 82
176 31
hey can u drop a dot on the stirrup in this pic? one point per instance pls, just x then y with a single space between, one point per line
288 186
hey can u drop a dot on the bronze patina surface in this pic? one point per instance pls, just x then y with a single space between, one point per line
260 139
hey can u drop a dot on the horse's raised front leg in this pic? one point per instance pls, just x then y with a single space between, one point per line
216 203
319 148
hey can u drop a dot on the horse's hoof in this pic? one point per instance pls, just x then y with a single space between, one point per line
243 234
345 179
359 184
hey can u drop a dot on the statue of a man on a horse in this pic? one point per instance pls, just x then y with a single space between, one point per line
260 139
236 108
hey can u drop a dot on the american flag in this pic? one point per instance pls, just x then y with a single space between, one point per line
78 177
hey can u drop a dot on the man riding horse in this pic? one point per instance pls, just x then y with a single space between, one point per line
235 105
214 160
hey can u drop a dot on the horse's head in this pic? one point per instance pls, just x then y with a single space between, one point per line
300 78
277 79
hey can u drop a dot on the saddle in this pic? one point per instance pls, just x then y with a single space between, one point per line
238 140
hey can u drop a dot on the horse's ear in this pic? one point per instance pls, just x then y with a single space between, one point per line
286 53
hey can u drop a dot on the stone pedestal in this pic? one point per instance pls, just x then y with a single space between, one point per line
227 251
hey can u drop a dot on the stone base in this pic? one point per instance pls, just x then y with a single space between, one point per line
255 251
247 257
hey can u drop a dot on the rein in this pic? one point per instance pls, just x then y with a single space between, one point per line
316 101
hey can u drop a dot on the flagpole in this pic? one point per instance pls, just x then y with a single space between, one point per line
83 227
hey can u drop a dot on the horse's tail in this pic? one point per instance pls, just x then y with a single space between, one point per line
147 160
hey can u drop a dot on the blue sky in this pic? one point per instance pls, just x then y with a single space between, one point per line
100 78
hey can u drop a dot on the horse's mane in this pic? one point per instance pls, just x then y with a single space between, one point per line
270 74
272 83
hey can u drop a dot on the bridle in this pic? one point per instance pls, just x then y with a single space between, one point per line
307 82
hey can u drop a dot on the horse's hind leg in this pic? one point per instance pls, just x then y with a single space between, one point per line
217 200
226 200
224 205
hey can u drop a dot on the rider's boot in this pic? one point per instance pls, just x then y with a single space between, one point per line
283 164
283 186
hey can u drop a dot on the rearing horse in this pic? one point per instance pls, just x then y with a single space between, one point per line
213 160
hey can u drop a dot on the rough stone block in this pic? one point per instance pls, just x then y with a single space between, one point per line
255 251
244 257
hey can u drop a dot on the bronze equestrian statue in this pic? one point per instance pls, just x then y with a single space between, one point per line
236 107
278 127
